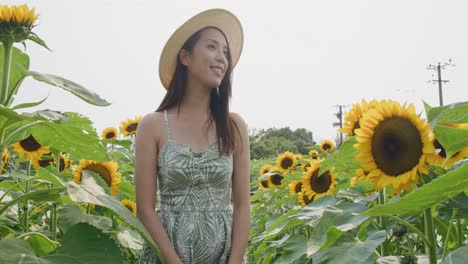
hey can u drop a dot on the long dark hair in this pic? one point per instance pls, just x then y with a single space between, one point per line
219 98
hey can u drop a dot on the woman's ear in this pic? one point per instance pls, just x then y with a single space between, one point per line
184 57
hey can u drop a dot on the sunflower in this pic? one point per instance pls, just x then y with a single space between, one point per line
305 199
30 148
129 127
49 159
438 158
274 180
286 161
393 143
16 22
306 165
360 176
313 152
318 186
295 186
130 205
109 133
4 161
327 146
107 171
262 183
351 120
265 169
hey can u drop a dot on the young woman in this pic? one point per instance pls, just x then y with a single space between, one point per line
193 152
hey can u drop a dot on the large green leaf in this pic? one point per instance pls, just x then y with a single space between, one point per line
89 191
452 139
71 139
51 194
41 244
440 189
453 113
84 243
335 220
16 250
457 256
19 66
31 104
294 249
347 250
343 160
71 214
69 86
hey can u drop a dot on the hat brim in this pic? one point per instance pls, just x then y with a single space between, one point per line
219 18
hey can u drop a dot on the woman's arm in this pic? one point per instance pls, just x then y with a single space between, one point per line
146 185
240 191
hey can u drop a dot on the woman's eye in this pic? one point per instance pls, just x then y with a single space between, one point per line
211 46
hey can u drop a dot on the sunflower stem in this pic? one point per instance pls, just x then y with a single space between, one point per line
410 245
88 208
53 220
412 227
454 213
26 202
429 226
8 51
383 224
460 232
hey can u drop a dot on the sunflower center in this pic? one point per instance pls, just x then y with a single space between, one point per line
45 163
306 167
320 184
326 147
110 135
298 187
286 163
132 127
396 145
102 172
129 207
276 179
62 164
306 198
314 157
264 183
30 144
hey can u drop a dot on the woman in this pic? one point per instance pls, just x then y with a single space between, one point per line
193 152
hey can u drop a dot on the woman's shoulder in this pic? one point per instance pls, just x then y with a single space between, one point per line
237 118
152 122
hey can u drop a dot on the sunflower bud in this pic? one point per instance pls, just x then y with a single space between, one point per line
16 23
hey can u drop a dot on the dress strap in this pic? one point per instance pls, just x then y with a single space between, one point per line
167 124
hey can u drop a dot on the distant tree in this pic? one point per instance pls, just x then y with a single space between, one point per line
269 142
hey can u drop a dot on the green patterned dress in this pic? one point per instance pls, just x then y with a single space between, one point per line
195 195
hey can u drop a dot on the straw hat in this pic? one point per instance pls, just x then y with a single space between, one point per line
219 18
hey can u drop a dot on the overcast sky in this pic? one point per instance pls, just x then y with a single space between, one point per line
300 58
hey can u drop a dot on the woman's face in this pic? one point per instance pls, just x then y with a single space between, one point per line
208 61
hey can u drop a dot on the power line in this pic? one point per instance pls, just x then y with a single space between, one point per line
439 80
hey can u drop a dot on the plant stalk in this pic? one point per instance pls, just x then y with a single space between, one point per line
454 213
429 226
384 246
26 202
8 51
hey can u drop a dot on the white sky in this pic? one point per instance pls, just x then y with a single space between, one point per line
300 58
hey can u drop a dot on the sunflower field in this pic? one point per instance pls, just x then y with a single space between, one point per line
395 191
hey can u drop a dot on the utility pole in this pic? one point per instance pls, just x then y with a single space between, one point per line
439 80
339 115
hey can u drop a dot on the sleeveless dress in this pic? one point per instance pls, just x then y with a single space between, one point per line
194 208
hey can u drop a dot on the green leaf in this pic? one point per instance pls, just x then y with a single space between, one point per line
71 139
89 191
347 250
49 175
452 139
340 217
84 243
127 190
124 142
35 38
69 86
453 113
438 190
277 226
456 256
19 66
31 104
294 250
15 250
71 214
129 239
51 194
343 160
41 244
